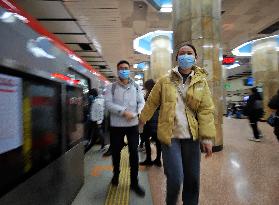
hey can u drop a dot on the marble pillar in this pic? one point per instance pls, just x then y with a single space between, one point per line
265 68
198 23
160 59
147 73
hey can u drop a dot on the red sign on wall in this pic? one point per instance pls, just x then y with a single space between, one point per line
228 60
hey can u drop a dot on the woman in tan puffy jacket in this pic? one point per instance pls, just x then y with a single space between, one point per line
186 119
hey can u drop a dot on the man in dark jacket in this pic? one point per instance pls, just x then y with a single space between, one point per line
254 111
274 104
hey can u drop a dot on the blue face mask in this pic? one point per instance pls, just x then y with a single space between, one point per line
186 61
124 74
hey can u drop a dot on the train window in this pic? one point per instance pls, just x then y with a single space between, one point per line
41 114
30 127
75 115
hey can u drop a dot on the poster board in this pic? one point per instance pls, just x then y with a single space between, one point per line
11 130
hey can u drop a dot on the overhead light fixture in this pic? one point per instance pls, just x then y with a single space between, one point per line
142 43
239 51
166 8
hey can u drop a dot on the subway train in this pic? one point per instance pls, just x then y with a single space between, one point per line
43 107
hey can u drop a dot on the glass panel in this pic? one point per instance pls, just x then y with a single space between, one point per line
75 115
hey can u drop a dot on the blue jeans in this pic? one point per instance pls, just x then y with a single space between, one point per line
182 163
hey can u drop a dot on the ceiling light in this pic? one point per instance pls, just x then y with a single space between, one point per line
142 44
238 51
166 9
207 46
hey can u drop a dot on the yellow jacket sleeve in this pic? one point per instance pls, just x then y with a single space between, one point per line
205 115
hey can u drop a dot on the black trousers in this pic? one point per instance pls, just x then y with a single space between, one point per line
254 125
95 132
147 133
117 135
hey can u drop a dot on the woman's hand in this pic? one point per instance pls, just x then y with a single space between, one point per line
207 148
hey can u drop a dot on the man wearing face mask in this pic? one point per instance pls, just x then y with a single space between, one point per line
186 119
124 100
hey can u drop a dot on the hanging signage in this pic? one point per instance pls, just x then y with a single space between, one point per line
228 60
10 113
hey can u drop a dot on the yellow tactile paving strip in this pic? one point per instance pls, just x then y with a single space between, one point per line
120 195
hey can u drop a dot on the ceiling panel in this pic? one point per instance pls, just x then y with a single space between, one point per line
89 57
44 9
62 26
66 38
111 25
97 63
55 17
74 46
87 53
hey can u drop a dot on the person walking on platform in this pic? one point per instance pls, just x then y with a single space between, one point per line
274 104
96 115
124 100
186 119
150 130
254 111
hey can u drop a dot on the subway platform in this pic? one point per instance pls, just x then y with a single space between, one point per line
244 173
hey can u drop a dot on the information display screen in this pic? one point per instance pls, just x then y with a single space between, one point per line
30 127
11 130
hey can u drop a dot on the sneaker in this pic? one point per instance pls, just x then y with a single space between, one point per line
157 162
254 139
115 180
138 190
146 163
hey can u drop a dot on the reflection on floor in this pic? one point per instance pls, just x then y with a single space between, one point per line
244 173
97 189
